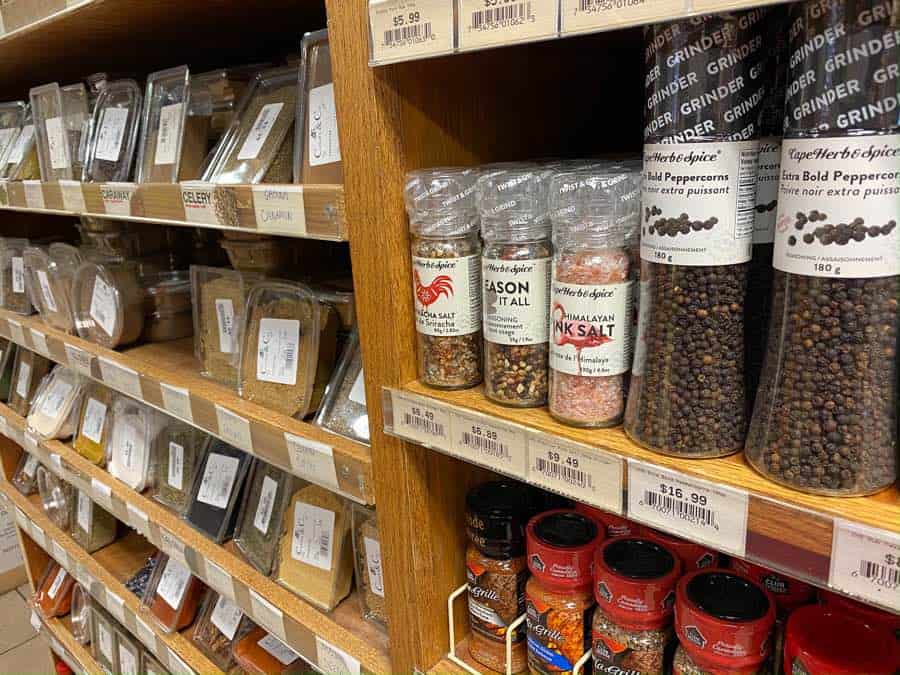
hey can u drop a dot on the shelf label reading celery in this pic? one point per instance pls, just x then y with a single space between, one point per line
234 429
177 401
482 23
111 133
56 140
692 508
583 473
119 377
838 206
72 196
407 29
322 130
169 133
117 198
312 460
331 659
489 443
259 132
34 196
420 421
580 16
279 209
198 200
866 562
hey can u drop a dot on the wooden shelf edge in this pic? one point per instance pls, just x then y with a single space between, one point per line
65 646
278 610
283 441
299 211
37 24
172 649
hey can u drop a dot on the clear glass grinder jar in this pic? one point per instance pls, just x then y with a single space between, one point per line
446 260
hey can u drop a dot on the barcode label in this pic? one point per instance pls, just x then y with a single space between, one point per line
277 349
489 446
865 561
405 29
586 474
588 15
570 475
494 16
505 22
711 514
420 421
406 34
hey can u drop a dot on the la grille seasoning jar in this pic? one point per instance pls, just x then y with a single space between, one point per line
634 586
613 525
724 622
558 598
446 261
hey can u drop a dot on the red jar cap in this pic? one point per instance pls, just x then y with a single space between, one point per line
789 593
560 547
723 619
826 641
634 582
615 526
867 613
693 556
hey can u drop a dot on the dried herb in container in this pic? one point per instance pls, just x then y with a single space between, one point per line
53 596
92 526
25 477
317 149
13 285
261 520
21 160
261 653
217 489
80 614
103 639
179 447
12 118
343 410
57 498
369 564
132 442
114 130
108 303
54 151
174 594
128 651
94 423
218 627
28 371
54 413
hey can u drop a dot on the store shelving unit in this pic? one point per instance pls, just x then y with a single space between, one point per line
67 648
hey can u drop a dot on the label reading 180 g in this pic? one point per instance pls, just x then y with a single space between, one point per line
767 190
447 295
838 205
591 329
516 298
698 202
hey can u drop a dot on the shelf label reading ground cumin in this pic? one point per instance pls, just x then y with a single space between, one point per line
279 209
276 354
313 535
260 131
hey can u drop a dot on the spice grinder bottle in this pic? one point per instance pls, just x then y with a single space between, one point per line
446 262
821 640
591 297
560 546
496 515
515 272
825 417
704 88
634 586
724 623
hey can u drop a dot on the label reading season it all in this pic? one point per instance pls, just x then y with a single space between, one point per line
698 202
516 297
838 205
447 297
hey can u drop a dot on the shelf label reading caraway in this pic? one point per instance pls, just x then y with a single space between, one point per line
866 562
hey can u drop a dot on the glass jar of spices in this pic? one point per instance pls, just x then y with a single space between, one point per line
515 271
634 586
446 264
560 548
591 298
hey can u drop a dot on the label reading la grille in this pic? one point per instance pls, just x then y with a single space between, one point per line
489 22
767 190
447 297
406 29
516 297
698 202
838 206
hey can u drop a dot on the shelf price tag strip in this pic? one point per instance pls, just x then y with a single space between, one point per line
866 562
121 378
481 440
410 29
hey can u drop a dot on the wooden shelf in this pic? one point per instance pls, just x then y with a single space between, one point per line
103 574
447 667
307 211
762 521
298 623
165 375
65 646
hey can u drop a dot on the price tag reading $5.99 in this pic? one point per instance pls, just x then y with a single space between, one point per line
410 29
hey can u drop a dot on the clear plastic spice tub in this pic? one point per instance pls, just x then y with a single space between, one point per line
267 257
825 417
126 242
343 410
218 627
258 146
591 297
80 614
560 547
289 342
261 521
128 651
173 595
132 442
55 411
179 447
21 159
57 498
114 131
48 295
613 525
93 526
317 149
165 326
369 564
8 351
634 586
108 303
12 118
28 371
167 292
103 640
261 653
54 593
724 623
13 288
94 423
446 261
515 271
315 557
25 477
54 152
77 121
217 489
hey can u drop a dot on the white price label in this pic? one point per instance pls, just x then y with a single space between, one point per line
312 460
115 605
94 419
218 480
16 333
117 198
72 196
266 504
583 473
138 519
17 267
234 429
266 614
262 127
34 194
79 359
59 553
169 135
490 444
280 651
409 29
102 494
484 24
583 16
226 616
374 565
120 378
335 661
39 341
715 515
218 579
313 535
177 401
866 562
172 545
56 140
173 583
146 635
39 537
322 130
419 421
46 292
276 356
198 200
110 134
35 622
279 209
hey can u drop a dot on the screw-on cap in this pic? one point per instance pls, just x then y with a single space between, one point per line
789 593
591 205
560 548
512 202
496 515
441 201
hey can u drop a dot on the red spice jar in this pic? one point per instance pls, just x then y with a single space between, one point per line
634 586
558 597
615 526
820 640
173 595
54 594
868 614
693 556
724 622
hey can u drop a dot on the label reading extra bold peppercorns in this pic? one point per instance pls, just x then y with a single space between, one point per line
447 295
698 202
838 205
516 298
767 190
